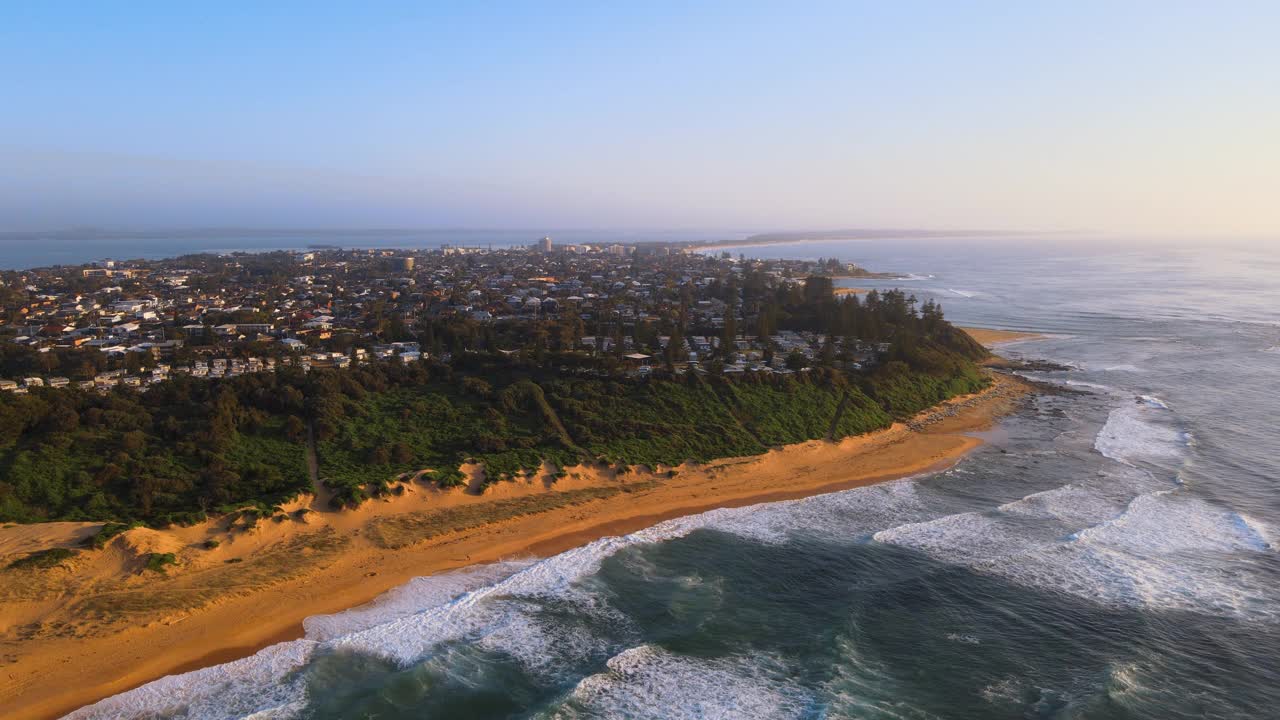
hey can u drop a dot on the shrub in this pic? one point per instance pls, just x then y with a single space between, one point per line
183 519
157 562
347 496
108 531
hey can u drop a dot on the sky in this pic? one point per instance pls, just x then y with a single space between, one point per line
1139 118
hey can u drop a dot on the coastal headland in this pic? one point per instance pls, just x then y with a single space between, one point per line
101 623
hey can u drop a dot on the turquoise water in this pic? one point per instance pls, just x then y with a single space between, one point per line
1110 553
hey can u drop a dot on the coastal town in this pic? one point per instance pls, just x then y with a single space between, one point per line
632 308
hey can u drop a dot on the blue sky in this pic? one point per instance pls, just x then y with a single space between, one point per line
1140 118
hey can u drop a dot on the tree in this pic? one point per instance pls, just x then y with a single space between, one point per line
133 441
294 429
827 356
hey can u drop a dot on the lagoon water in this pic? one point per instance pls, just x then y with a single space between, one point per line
1112 552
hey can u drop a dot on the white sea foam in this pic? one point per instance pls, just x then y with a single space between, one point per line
415 596
649 682
972 538
1264 532
498 610
1166 550
1167 522
1006 690
835 516
1072 505
1134 432
259 686
1154 402
862 685
1092 385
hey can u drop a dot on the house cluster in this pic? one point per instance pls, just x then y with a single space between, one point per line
139 322
748 354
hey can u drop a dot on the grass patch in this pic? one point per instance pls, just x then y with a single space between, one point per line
99 540
43 559
157 562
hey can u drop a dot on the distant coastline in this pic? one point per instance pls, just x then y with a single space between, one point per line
23 250
791 238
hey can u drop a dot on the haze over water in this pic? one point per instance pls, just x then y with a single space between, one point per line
1110 553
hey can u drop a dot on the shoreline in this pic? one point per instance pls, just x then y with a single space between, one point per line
991 338
106 657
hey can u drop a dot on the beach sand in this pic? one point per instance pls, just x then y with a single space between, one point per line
993 338
103 624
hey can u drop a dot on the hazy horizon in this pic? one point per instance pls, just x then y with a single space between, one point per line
1142 120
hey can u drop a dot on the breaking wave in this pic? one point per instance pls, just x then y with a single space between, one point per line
1140 431
1163 552
413 597
265 685
649 682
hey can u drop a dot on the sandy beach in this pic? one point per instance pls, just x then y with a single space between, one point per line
101 623
995 338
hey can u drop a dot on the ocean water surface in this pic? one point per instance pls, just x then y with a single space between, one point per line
1111 552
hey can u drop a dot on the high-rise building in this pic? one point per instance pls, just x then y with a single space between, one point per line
545 244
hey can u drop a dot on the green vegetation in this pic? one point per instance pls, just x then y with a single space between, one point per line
164 456
43 559
99 540
236 447
156 562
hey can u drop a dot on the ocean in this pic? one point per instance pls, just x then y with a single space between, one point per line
1111 552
